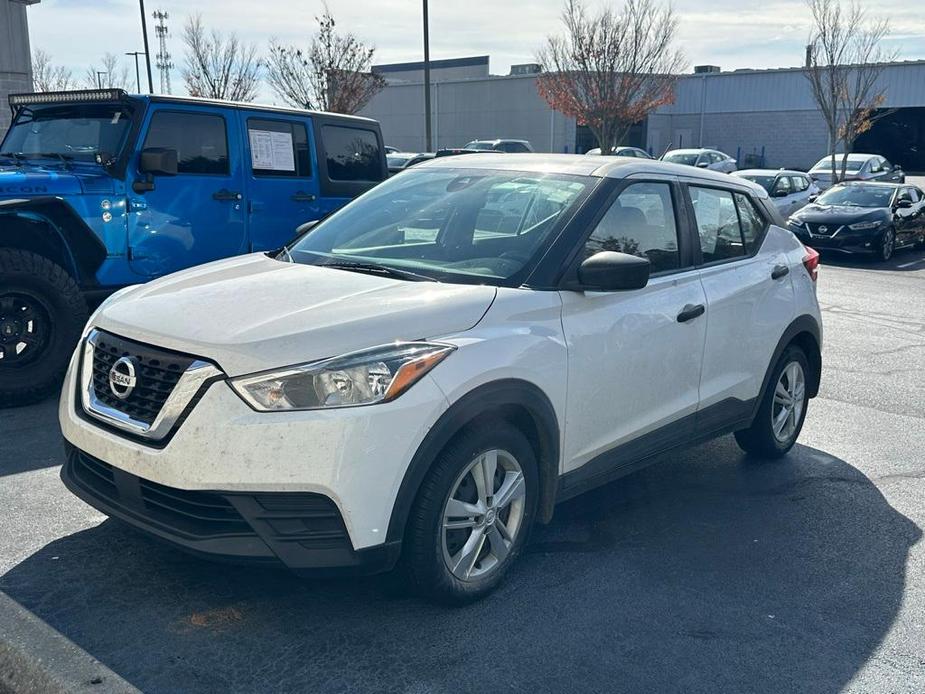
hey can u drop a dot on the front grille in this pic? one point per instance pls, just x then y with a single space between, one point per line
157 374
823 229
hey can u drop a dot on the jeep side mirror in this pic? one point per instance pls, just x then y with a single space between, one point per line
158 161
609 271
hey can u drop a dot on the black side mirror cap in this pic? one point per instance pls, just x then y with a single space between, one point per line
609 271
780 194
158 161
903 203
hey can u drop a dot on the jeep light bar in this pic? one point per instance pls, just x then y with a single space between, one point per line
17 100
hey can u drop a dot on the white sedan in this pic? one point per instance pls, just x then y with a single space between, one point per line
711 159
789 190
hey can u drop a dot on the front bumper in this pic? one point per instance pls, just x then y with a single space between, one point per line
845 241
302 531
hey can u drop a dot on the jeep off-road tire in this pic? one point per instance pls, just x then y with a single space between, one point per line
42 313
453 511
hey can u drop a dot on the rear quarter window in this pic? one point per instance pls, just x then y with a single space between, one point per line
352 154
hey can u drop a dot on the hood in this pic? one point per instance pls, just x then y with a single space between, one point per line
16 181
815 213
253 313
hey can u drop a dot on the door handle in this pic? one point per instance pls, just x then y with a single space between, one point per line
225 194
779 271
299 196
690 312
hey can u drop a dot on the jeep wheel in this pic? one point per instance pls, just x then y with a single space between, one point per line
41 315
473 513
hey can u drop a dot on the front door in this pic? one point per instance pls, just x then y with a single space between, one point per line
197 215
282 187
634 357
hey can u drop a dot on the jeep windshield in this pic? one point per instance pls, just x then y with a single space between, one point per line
72 132
474 226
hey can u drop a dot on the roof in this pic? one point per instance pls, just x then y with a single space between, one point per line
471 61
768 172
170 99
582 165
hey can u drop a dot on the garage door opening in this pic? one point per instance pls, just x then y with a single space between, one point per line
900 137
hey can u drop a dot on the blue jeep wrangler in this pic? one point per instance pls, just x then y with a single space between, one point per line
100 189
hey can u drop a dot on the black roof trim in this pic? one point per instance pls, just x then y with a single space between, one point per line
434 64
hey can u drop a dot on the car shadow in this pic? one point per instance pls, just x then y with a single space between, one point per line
29 437
708 572
903 260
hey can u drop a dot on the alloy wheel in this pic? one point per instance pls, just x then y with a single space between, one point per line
24 328
887 244
789 401
483 515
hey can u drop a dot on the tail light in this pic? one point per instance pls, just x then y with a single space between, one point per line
811 262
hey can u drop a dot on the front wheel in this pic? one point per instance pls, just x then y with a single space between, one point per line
782 411
41 315
887 244
473 513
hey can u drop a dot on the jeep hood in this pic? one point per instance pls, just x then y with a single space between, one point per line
52 180
253 313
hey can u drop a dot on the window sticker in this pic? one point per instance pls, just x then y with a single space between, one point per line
271 151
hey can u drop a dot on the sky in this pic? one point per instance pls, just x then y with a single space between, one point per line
729 33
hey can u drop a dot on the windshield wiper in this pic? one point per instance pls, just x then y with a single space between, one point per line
17 157
65 159
376 269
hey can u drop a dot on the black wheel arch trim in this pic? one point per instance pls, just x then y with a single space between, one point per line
81 248
515 395
801 328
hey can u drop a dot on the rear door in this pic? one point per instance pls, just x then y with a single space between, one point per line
282 188
908 219
749 298
198 215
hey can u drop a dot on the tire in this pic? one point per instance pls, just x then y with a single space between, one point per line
42 314
761 439
431 551
886 244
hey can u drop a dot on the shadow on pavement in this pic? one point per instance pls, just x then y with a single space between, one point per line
903 260
29 437
708 572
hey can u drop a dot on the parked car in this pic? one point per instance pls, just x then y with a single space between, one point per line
859 167
398 161
391 150
621 151
396 383
453 151
789 190
863 217
711 159
99 190
515 146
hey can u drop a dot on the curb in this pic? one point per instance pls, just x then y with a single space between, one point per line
36 659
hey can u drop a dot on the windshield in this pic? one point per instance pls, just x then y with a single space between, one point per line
825 164
857 196
475 144
73 131
766 182
688 158
474 226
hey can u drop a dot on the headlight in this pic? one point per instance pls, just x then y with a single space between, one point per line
860 226
360 378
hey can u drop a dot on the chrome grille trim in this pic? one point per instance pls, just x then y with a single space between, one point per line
189 384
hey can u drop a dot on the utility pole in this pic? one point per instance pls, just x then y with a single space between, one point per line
427 138
144 33
99 78
137 73
163 64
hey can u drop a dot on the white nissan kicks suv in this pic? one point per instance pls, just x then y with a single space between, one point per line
427 372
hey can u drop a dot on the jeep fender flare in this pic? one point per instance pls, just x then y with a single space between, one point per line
65 234
519 401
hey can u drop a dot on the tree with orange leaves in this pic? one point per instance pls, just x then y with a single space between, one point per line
610 70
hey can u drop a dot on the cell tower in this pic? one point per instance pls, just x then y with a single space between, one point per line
164 66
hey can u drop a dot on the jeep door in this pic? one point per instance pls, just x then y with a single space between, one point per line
282 185
634 356
197 215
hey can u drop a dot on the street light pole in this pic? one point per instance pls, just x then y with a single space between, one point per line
137 74
144 32
427 134
99 78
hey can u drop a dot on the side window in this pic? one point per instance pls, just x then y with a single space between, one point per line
717 224
199 138
751 221
352 153
874 165
906 194
641 222
916 194
783 186
279 148
799 184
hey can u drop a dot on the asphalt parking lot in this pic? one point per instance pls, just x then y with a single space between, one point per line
708 572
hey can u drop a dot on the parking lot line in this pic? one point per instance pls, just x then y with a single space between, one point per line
910 264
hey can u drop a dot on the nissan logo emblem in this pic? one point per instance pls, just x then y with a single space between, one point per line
823 228
122 377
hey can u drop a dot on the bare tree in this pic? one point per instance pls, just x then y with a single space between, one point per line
219 67
612 69
333 74
844 63
110 75
47 77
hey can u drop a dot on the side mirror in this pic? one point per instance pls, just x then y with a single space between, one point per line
778 193
158 161
812 198
702 164
609 271
903 203
897 167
